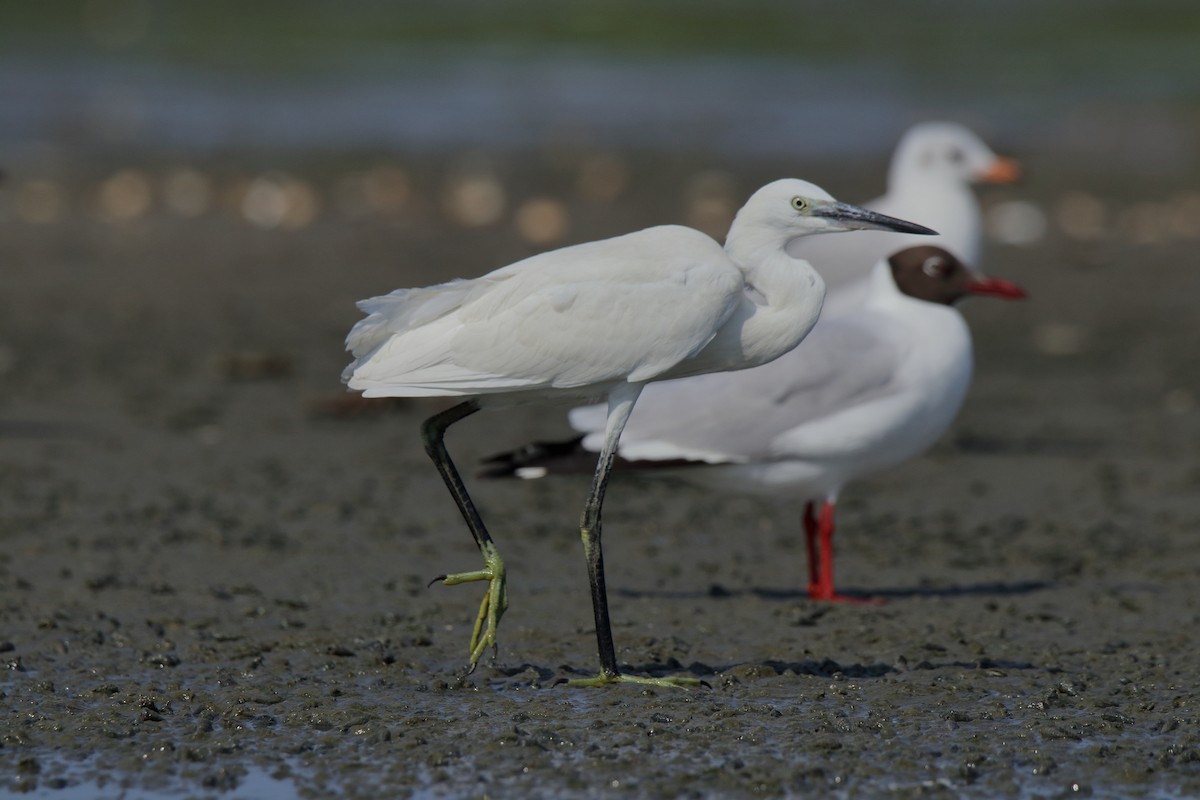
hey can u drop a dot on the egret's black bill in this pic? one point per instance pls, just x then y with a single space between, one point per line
865 219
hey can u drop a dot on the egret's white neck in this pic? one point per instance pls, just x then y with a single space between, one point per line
781 305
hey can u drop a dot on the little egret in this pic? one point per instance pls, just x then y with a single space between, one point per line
600 319
867 390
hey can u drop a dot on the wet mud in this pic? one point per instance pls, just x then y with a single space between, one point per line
214 566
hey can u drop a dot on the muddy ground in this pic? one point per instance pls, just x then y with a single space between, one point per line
213 576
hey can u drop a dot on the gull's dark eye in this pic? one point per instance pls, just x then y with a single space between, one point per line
800 204
956 156
935 267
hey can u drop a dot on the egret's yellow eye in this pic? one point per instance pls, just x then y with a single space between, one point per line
800 204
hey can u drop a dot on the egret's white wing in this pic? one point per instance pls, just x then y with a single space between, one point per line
744 416
627 308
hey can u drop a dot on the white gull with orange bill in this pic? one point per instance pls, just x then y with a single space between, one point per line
929 181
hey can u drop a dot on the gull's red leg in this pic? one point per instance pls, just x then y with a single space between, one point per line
824 585
810 543
825 532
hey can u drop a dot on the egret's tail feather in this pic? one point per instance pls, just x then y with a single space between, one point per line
403 309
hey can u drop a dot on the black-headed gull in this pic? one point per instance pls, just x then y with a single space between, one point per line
866 390
596 319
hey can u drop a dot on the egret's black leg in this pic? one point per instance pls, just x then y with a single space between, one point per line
589 531
495 601
620 404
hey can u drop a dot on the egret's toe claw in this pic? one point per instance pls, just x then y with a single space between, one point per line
491 608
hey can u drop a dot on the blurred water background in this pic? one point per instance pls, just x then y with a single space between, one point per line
1081 80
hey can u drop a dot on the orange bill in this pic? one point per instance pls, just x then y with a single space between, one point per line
1002 170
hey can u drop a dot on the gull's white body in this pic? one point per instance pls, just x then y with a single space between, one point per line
867 390
929 181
